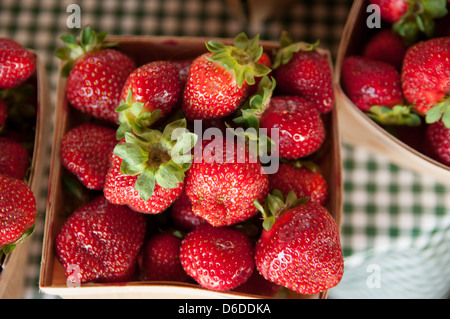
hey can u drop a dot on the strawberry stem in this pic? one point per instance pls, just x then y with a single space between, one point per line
241 58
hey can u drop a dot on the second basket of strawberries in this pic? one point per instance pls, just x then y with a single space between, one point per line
393 76
160 166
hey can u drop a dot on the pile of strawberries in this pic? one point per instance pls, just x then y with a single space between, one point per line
401 78
18 108
165 204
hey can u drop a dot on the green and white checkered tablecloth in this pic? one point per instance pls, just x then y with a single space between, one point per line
395 223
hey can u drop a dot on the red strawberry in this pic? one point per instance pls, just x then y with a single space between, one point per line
153 86
437 138
85 151
96 74
161 258
182 214
218 258
368 82
300 70
147 172
391 10
14 159
300 127
304 178
100 242
17 64
426 77
224 182
300 246
3 114
17 212
386 46
219 80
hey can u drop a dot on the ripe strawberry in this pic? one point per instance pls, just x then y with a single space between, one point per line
368 82
219 80
391 10
300 127
300 246
218 258
300 70
100 242
161 258
18 213
147 171
96 74
224 182
150 87
386 46
426 78
85 151
14 159
17 64
304 178
182 214
437 137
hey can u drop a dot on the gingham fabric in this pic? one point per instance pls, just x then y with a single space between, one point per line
395 224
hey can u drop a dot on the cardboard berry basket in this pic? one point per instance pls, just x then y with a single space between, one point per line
356 127
144 49
13 268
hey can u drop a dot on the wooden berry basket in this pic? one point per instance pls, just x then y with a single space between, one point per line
356 127
144 49
14 266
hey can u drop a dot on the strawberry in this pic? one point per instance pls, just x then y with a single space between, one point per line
85 152
300 69
219 80
437 137
218 258
17 64
299 124
386 46
147 171
299 247
304 178
391 10
369 82
161 258
153 86
224 182
426 78
100 242
18 213
182 214
14 159
95 74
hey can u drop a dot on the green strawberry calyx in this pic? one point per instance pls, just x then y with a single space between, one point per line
90 41
132 118
8 248
396 115
157 157
242 58
439 112
419 19
287 49
255 106
276 204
